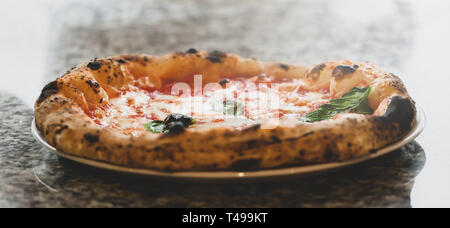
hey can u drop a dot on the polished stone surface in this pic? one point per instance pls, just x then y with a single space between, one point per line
397 35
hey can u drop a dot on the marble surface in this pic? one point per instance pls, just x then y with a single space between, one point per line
392 34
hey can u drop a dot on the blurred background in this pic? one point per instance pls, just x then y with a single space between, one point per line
41 39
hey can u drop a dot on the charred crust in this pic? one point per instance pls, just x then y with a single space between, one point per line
246 164
330 155
253 144
131 58
275 139
216 56
94 65
302 153
229 133
50 89
307 134
93 84
252 128
121 61
342 71
302 136
315 71
284 67
401 110
192 51
91 138
175 128
224 81
61 129
318 68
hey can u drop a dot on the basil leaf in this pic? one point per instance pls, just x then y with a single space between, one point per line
156 126
353 101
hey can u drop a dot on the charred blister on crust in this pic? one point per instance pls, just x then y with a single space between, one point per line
275 139
314 73
192 51
401 110
93 84
91 138
331 155
252 128
216 56
284 67
50 89
94 65
61 129
341 71
224 81
120 61
299 137
131 58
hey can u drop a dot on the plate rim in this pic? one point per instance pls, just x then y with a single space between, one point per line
418 127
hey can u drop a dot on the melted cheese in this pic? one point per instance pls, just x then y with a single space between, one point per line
136 107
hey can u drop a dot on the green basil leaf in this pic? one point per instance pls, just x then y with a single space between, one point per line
353 101
156 126
363 108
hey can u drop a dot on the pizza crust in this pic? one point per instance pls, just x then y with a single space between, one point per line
66 106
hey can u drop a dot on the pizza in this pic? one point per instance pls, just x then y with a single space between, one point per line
198 111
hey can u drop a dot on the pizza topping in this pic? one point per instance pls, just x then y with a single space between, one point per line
353 101
174 128
177 117
156 126
174 123
241 103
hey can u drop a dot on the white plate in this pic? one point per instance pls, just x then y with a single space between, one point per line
418 126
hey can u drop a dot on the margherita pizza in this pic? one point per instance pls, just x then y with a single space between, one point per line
216 111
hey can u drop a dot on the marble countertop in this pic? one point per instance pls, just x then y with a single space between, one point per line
408 38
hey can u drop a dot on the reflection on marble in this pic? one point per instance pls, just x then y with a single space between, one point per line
33 177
